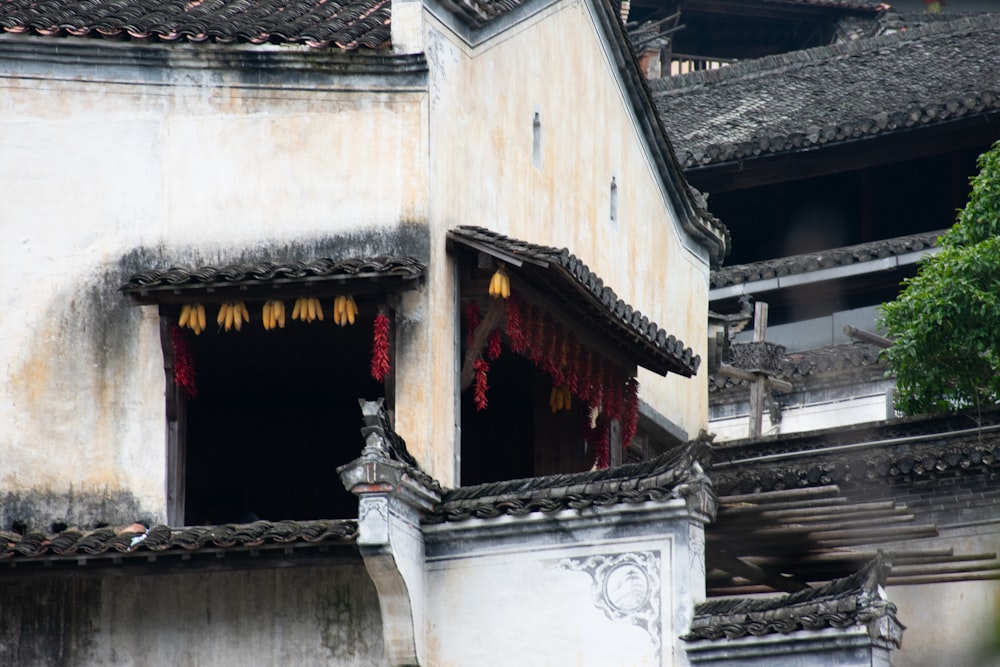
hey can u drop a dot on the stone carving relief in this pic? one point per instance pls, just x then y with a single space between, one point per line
625 586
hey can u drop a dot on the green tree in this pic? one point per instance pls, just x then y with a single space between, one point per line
946 321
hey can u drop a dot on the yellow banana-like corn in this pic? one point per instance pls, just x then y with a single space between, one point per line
185 316
265 316
221 319
499 284
244 311
297 313
352 310
230 316
317 309
202 319
278 308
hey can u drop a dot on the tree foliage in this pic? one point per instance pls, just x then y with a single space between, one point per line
946 321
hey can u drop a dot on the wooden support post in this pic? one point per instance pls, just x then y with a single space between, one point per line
757 389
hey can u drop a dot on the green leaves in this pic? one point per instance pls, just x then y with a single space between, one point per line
946 321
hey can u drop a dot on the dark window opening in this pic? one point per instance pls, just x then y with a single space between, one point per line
275 413
517 435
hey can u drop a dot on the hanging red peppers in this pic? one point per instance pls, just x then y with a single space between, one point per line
630 416
380 347
472 318
515 325
493 346
183 362
601 441
481 387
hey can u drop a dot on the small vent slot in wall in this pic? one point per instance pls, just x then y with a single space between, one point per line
536 141
614 203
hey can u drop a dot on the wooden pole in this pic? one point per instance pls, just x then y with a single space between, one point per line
757 388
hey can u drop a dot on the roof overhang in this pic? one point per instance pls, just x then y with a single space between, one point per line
269 280
562 279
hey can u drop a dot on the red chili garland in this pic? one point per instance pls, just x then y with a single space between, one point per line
472 318
493 347
380 348
515 325
573 367
630 418
183 362
479 392
602 447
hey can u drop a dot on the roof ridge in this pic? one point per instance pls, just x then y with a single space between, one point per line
771 64
928 239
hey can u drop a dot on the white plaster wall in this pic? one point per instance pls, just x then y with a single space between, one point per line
300 616
956 623
483 102
535 591
808 417
109 170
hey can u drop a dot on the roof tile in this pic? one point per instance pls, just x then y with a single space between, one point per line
344 24
831 94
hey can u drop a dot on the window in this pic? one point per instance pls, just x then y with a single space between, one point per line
259 419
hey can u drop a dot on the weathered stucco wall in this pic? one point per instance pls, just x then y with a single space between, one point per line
485 170
186 159
615 586
300 616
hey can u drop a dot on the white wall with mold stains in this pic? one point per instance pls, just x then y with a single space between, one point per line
119 165
299 616
109 169
601 587
486 170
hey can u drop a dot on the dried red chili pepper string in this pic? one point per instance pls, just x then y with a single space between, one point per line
515 325
573 367
493 347
602 449
472 319
183 362
630 418
481 387
380 348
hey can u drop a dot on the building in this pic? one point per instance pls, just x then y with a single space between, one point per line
835 178
183 485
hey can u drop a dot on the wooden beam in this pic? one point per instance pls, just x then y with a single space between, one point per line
757 386
867 337
725 561
773 384
491 320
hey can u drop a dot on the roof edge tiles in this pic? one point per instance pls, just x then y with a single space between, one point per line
136 542
655 348
346 25
678 473
855 600
831 362
185 283
895 450
744 274
978 94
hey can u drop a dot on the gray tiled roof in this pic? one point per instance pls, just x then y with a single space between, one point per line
343 24
852 600
824 360
895 450
136 541
677 473
288 273
824 259
833 94
658 350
